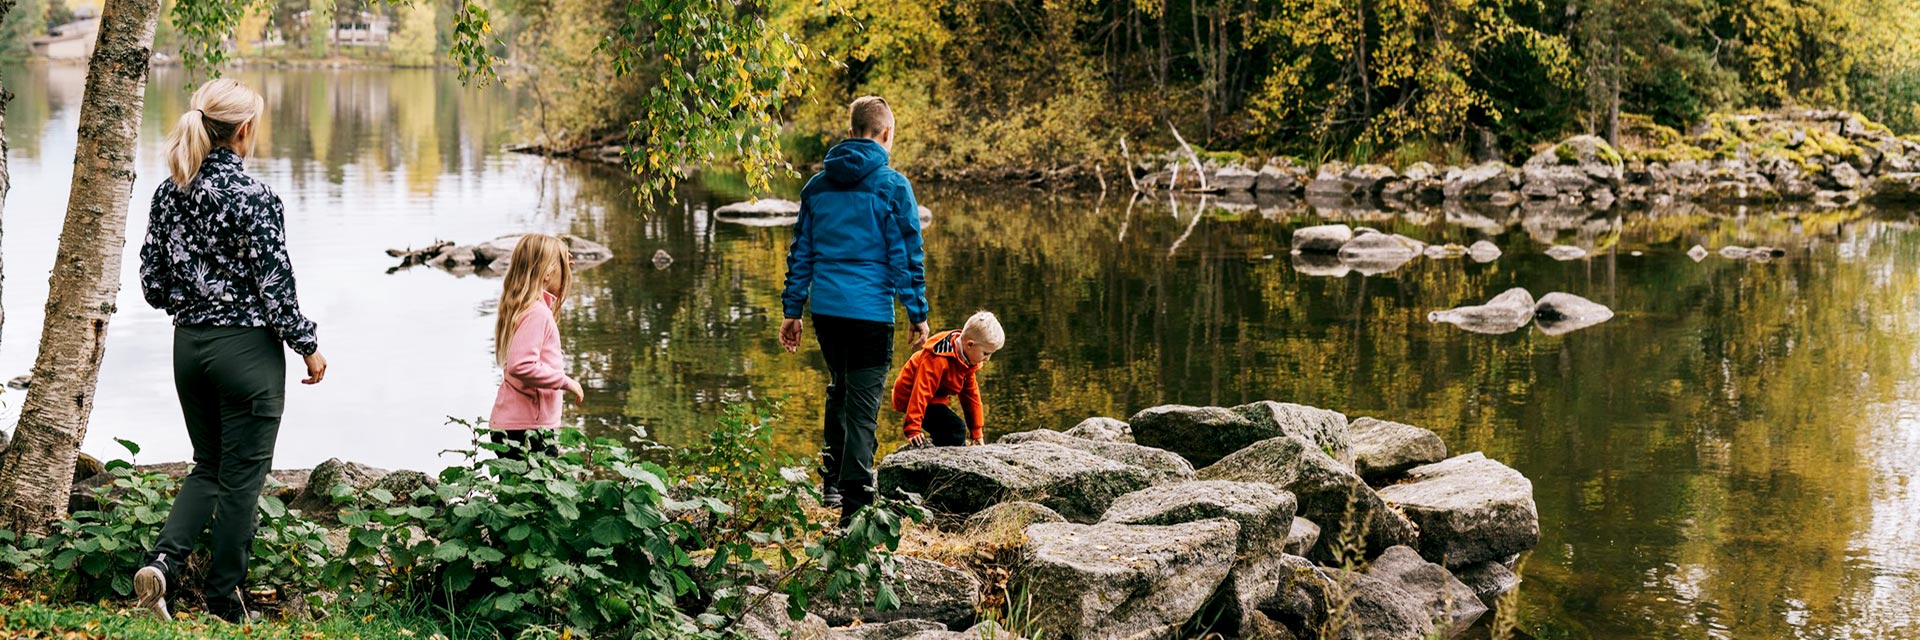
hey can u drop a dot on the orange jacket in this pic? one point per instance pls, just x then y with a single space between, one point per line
933 373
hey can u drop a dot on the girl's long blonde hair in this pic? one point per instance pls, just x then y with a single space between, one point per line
537 256
217 113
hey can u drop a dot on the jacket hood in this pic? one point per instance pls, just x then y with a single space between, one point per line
947 343
853 160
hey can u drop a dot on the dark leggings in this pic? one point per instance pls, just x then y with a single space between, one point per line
944 426
858 353
521 441
232 384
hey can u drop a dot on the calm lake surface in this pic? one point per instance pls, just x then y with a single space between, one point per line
1732 456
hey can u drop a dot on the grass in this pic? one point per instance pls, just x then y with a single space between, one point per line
32 620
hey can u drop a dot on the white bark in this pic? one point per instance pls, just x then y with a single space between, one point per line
38 470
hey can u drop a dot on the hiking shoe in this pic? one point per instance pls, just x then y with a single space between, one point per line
233 609
150 587
829 496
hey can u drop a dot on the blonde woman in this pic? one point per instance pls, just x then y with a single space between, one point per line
215 259
526 344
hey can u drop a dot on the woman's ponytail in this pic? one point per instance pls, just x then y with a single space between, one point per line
220 110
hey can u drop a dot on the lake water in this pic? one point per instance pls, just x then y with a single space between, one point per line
1732 456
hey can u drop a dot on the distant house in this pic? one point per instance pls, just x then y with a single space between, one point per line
70 41
355 29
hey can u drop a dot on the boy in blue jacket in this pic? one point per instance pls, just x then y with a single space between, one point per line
855 250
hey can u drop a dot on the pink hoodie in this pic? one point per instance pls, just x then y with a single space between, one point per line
530 395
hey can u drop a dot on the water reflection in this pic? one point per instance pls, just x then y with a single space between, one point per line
1732 455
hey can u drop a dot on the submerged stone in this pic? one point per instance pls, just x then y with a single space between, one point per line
1559 313
1505 313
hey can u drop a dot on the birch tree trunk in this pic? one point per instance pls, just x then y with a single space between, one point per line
38 470
6 179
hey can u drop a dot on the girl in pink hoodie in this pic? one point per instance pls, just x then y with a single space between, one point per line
527 345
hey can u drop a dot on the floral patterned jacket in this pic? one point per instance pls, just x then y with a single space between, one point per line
216 255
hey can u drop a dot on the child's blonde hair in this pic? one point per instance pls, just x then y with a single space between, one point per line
220 109
535 257
982 327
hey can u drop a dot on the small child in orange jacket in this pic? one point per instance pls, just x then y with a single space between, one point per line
944 367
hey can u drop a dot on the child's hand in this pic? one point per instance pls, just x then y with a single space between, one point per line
918 440
974 442
579 394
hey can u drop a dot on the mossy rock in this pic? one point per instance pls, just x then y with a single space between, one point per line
85 467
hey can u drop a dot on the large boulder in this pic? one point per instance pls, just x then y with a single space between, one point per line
1451 605
1559 313
1103 430
769 621
1572 170
965 480
1166 466
1326 238
1233 179
1489 580
896 630
1895 187
767 208
1505 313
1469 508
1378 610
1204 435
1383 450
1010 516
1265 516
1349 513
1481 181
1111 581
928 590
1280 177
332 477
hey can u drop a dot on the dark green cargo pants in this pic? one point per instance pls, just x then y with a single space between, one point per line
232 383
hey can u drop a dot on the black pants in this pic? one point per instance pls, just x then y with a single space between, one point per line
232 384
944 426
521 441
858 353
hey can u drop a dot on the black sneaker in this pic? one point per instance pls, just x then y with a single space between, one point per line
829 496
150 587
232 609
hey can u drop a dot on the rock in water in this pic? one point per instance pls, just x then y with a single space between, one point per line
770 207
1560 313
1204 435
1323 488
1735 253
965 480
1011 516
1451 605
1103 430
1564 253
1380 611
1505 313
1326 238
662 259
1383 450
1166 466
895 630
1489 580
1483 252
1320 265
1480 182
1233 179
1265 516
1113 581
1302 536
1698 253
1377 253
1469 508
928 590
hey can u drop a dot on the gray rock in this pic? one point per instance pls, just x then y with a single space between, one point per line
1445 251
1383 450
1233 179
1559 313
403 484
769 620
1698 253
895 630
1323 488
1301 536
1377 610
1278 179
928 590
965 480
1482 251
1326 238
1166 466
1204 435
1103 430
1368 179
1833 199
1328 181
1572 169
988 630
1895 187
1489 580
20 382
1320 265
1469 509
1011 516
1378 246
1505 313
1451 605
1301 597
1564 253
1111 581
1481 182
1265 516
1838 177
334 476
770 208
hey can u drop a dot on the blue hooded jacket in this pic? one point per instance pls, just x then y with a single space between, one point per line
857 247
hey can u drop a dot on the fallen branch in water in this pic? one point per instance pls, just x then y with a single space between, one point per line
1195 157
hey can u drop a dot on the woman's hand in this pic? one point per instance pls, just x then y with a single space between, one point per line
790 334
579 394
316 368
